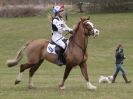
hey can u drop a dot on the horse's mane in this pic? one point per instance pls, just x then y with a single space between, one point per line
76 27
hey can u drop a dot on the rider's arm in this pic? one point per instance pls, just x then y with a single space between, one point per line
61 26
66 28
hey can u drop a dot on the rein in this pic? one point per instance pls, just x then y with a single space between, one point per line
83 51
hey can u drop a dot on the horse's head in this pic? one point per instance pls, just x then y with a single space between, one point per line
89 28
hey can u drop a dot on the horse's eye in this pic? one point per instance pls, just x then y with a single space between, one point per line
87 25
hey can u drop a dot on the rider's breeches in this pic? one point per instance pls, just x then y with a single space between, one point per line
57 38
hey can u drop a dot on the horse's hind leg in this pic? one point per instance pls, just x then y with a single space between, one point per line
22 68
83 68
66 73
32 71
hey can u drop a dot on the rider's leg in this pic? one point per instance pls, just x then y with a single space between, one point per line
61 52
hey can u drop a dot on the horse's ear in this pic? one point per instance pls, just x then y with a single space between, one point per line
88 18
82 19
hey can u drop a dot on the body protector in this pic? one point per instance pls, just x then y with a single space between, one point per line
58 27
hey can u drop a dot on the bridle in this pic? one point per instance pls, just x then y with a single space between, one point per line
87 34
90 30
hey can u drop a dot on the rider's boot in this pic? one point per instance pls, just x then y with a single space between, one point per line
60 58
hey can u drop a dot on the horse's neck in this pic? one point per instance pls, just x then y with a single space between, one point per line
80 39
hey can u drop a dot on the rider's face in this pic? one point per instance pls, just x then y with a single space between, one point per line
61 13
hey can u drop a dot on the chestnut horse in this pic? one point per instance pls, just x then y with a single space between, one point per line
76 53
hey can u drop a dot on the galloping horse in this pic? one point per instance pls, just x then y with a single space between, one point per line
76 53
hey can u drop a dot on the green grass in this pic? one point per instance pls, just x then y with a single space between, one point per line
115 29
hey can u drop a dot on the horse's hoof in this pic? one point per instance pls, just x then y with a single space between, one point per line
31 86
62 87
90 86
17 82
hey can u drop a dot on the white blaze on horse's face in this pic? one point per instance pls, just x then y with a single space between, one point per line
96 32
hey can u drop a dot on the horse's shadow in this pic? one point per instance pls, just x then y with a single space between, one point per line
56 89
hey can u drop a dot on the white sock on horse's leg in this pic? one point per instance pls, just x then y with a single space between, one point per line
30 82
61 85
19 77
90 86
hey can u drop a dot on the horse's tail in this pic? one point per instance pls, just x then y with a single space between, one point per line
18 57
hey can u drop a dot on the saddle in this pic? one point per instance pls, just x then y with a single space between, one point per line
56 49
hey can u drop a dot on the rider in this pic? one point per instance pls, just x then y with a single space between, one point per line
58 27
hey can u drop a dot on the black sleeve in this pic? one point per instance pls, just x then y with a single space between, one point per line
119 55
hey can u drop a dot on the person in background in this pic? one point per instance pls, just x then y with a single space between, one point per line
119 55
66 15
58 27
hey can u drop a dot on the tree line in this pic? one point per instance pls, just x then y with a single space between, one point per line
16 8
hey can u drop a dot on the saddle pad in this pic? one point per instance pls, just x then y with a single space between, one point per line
51 48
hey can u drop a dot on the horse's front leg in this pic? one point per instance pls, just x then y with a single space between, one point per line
84 72
66 73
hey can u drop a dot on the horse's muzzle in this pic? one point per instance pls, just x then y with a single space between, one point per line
96 32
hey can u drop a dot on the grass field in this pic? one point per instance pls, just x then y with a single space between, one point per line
115 29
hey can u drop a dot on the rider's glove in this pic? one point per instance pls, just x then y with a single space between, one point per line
70 31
